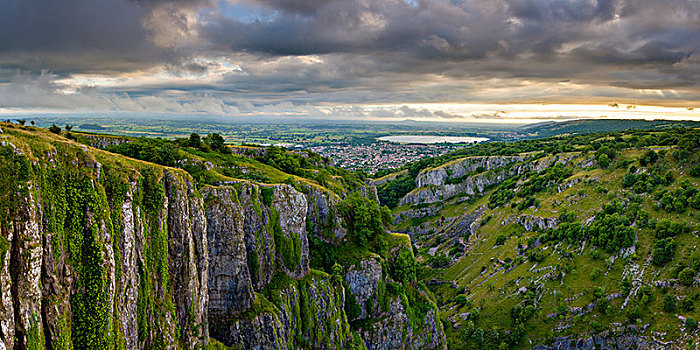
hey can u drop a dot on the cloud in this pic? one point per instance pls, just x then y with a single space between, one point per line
311 52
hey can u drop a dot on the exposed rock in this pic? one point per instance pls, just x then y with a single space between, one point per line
230 287
462 167
310 311
627 339
292 208
104 141
322 216
248 152
127 292
363 281
134 256
188 260
396 331
432 184
532 222
26 252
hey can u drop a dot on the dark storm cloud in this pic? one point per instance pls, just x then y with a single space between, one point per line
369 50
531 35
78 35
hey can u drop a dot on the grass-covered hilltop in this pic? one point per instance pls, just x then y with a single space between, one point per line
123 243
568 242
572 242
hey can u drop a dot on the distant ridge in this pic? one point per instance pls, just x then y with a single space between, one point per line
587 126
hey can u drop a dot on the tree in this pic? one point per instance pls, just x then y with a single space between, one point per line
55 129
501 239
479 335
363 216
33 123
195 141
649 157
68 127
217 143
604 161
664 250
403 267
686 277
21 121
669 303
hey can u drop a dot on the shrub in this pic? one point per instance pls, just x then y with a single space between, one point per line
664 250
403 268
686 277
501 239
690 324
668 303
649 157
363 216
634 313
55 129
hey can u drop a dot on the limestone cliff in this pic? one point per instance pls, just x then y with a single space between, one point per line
472 176
102 251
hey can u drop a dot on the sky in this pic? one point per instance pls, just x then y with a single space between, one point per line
448 60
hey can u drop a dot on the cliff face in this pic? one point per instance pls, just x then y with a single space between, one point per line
387 322
98 258
100 251
470 176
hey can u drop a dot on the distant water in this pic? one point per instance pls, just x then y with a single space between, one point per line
431 139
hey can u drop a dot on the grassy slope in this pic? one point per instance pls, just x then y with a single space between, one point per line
477 273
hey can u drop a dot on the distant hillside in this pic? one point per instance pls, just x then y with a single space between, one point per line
578 242
585 126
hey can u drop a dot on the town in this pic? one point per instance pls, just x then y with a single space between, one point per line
377 156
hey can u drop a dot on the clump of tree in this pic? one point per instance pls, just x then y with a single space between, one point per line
664 250
212 142
668 303
687 276
55 129
645 182
366 220
538 182
649 157
605 155
679 200
610 230
154 150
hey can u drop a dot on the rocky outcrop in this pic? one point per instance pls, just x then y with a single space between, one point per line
248 152
103 141
469 186
323 219
291 206
188 257
387 324
397 331
364 282
230 286
624 339
461 168
271 210
459 177
305 314
532 222
95 260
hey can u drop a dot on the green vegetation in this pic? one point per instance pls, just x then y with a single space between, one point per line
288 247
590 230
